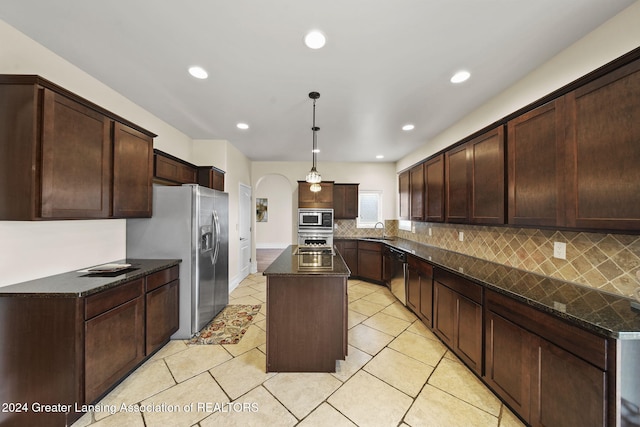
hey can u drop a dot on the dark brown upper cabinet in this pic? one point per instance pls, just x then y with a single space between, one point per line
345 201
536 166
322 199
404 186
474 180
132 172
416 191
573 162
487 162
456 185
603 152
76 160
434 189
64 157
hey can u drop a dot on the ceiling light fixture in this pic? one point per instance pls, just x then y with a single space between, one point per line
313 177
198 72
408 127
315 39
460 76
379 156
242 126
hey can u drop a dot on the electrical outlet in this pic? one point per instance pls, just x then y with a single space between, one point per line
430 232
560 250
461 236
461 269
560 306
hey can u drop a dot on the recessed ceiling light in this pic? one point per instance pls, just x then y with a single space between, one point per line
198 72
317 150
315 39
408 127
242 126
379 156
460 76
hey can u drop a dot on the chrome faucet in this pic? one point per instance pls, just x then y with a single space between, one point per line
383 228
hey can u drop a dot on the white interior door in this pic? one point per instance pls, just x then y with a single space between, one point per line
245 230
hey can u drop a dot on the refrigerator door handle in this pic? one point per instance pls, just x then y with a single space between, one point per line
216 224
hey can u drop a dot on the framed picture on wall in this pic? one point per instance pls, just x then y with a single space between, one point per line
261 210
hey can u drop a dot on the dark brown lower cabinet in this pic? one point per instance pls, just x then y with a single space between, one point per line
420 289
70 351
370 261
530 366
162 313
114 343
348 249
457 316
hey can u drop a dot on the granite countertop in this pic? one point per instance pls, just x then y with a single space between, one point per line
289 264
598 311
74 284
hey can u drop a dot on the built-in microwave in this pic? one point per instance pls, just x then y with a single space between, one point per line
315 218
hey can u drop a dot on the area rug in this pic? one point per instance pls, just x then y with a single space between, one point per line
228 327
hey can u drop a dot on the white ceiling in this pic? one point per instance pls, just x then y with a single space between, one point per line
386 63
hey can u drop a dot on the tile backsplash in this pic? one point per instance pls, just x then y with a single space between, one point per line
605 261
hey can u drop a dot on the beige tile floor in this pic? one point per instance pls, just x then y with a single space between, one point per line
397 374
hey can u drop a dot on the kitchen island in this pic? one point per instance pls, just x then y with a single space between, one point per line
306 311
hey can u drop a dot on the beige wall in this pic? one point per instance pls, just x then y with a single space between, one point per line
614 38
30 250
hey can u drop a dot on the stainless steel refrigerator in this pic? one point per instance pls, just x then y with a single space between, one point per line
189 222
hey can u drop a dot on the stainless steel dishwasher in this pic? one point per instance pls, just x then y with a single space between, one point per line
395 273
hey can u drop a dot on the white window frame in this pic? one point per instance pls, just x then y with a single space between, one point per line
367 224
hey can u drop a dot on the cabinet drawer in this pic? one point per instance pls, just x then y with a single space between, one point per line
584 344
464 287
421 266
162 277
369 246
103 301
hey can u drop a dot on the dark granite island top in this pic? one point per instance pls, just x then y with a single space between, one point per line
288 263
306 312
76 284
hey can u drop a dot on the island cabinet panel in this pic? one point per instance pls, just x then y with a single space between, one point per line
549 372
536 166
306 323
345 201
76 159
434 189
603 154
132 172
370 260
404 186
114 338
456 185
416 179
321 199
457 316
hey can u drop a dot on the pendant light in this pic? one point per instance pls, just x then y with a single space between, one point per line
313 177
